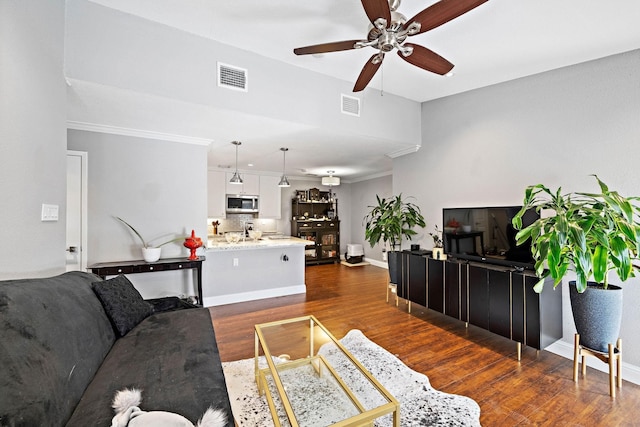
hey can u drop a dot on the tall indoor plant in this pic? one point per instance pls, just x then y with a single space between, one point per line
389 221
590 234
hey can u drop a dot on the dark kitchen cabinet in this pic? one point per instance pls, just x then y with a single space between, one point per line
455 290
491 297
499 286
478 297
417 279
436 284
323 237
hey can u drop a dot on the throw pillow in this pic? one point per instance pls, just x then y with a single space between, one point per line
122 302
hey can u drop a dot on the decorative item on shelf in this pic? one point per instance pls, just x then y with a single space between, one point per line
589 234
314 194
437 251
236 179
452 226
192 243
150 253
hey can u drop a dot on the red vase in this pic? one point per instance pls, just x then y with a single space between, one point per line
192 243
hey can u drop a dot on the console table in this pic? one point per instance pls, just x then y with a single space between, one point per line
104 269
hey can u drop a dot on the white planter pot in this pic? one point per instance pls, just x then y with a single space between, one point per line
438 253
151 254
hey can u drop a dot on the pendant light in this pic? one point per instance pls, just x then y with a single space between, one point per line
284 182
235 179
330 180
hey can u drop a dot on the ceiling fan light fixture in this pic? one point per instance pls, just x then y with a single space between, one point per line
236 179
284 182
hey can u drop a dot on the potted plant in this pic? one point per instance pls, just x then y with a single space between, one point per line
150 253
391 220
590 234
437 251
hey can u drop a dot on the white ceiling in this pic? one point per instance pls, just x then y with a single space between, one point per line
499 41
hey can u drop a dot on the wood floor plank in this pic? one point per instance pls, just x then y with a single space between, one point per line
536 391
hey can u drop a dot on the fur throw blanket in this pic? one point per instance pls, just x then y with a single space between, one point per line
128 414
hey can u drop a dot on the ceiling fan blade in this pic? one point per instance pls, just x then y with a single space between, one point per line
426 59
442 12
326 47
368 71
377 9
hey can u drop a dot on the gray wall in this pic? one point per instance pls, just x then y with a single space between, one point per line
363 195
485 146
171 74
158 187
32 137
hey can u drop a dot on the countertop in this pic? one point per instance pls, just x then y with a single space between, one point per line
220 244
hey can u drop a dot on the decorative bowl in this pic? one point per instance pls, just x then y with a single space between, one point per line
232 237
255 234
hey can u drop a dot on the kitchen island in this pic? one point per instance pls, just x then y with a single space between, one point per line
250 270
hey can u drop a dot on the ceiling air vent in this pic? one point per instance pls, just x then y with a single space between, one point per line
232 77
350 105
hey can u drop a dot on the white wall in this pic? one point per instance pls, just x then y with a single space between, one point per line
32 137
484 147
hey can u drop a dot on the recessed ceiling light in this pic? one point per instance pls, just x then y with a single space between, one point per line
250 164
449 74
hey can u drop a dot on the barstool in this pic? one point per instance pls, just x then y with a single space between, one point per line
613 357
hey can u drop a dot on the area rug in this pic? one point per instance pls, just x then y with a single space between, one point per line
420 403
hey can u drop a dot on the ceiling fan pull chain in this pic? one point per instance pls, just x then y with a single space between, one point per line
381 78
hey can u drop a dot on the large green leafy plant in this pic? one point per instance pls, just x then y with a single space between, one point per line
391 220
589 233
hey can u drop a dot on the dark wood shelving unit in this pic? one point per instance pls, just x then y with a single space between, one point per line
315 219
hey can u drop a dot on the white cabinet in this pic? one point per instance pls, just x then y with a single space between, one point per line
270 197
249 186
216 194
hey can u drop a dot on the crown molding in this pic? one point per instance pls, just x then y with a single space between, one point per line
138 133
402 152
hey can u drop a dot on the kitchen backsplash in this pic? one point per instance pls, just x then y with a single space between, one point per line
234 222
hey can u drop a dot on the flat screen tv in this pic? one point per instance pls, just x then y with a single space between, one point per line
486 234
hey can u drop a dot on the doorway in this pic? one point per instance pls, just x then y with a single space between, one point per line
77 191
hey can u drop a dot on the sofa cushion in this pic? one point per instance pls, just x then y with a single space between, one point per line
122 302
54 334
173 358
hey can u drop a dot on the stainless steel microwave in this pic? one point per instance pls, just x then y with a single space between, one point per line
241 203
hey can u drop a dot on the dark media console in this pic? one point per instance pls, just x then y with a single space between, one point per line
497 298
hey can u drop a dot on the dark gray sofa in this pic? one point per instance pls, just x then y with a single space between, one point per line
61 361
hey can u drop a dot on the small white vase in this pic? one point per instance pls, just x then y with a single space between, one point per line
151 254
438 253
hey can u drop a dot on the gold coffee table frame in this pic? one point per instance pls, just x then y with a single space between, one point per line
264 334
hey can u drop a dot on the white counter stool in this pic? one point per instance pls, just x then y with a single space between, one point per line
613 357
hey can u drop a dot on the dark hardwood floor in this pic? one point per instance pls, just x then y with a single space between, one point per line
537 391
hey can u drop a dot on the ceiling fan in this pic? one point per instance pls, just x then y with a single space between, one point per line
389 30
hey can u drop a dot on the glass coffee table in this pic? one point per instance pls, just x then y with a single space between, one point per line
311 380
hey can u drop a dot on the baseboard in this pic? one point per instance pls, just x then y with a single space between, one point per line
254 295
377 263
630 372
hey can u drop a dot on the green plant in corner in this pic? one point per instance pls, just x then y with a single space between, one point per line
391 220
144 242
589 233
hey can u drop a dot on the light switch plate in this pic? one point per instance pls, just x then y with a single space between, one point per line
49 212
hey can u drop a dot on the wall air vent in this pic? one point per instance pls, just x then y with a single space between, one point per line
232 77
350 105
